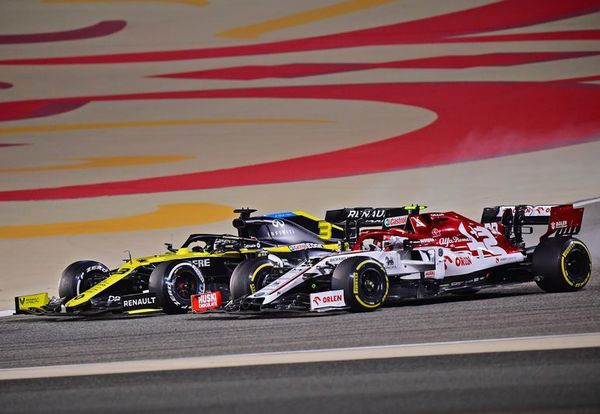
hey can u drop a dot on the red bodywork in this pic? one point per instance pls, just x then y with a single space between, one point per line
459 233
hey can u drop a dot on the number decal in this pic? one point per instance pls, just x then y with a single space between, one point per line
488 242
324 230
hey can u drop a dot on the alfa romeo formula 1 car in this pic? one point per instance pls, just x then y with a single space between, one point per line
203 263
402 253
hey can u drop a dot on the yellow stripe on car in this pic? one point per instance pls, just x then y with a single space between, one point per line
310 216
138 311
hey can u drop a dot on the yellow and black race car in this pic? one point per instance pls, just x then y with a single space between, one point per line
203 263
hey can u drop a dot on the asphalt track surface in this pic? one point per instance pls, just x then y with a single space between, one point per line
555 381
550 381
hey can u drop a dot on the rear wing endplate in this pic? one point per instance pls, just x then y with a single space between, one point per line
561 219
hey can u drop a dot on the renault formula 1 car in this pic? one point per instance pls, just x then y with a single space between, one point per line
203 263
401 253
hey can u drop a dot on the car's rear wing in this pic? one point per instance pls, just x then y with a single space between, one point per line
561 219
354 218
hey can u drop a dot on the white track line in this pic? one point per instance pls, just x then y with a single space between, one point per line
586 202
536 343
9 312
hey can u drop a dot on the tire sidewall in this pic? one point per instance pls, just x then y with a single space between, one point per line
70 283
549 261
244 279
347 277
570 246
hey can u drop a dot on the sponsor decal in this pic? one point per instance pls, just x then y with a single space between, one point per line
337 259
463 261
389 262
282 232
446 241
329 299
430 274
91 268
436 215
278 223
395 221
304 246
366 214
140 301
533 211
38 300
113 299
201 263
206 301
555 225
435 233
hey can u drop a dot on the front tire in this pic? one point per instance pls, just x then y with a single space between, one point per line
79 277
249 277
364 282
564 264
174 283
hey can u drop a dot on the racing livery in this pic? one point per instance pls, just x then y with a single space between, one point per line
203 263
401 253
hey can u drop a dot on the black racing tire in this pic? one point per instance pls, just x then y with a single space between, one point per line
563 263
80 276
249 276
364 282
174 283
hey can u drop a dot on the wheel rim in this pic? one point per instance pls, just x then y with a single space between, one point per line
185 284
577 266
260 279
371 286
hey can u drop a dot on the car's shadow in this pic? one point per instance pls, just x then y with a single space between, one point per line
221 315
461 297
79 318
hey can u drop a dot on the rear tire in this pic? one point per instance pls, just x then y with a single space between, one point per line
564 264
79 277
364 282
249 277
174 283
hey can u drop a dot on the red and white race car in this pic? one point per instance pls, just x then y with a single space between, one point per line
402 253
